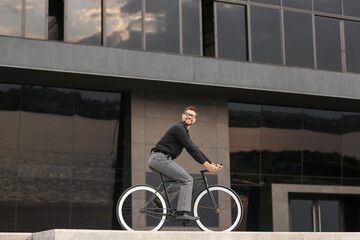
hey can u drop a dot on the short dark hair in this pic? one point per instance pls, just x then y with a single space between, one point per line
192 108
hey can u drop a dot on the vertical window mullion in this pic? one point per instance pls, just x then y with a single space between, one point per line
342 44
282 37
65 20
180 27
23 18
216 31
314 41
143 34
249 33
201 29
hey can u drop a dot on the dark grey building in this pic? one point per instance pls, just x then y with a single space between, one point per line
89 86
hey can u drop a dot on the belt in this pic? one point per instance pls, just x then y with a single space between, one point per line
158 151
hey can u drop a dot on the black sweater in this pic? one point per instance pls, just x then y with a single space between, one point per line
175 140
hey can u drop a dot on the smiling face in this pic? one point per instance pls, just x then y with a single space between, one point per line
188 117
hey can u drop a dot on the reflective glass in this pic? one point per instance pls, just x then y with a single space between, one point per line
91 204
191 27
301 4
328 47
10 17
273 2
162 25
329 215
42 197
123 23
46 125
301 215
265 35
350 150
322 146
231 27
95 125
352 39
84 21
351 8
7 201
298 39
245 133
35 19
9 120
329 6
281 140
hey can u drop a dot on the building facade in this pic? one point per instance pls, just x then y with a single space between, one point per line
89 86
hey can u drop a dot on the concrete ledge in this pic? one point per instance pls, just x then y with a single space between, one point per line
15 236
59 234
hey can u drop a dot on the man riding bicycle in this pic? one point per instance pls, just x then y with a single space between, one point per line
168 149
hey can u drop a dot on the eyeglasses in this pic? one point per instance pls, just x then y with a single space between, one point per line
190 115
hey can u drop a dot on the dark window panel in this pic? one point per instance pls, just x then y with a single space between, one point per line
317 164
7 202
301 4
351 8
162 25
265 35
35 19
191 27
328 47
301 215
322 180
232 35
282 117
84 21
352 46
123 23
328 6
10 18
298 39
9 97
273 2
268 179
350 150
91 204
244 115
245 134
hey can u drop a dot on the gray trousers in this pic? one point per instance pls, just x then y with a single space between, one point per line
171 170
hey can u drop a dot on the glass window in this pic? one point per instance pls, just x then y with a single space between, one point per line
273 2
322 146
301 215
245 133
10 17
191 27
281 140
35 19
162 25
46 125
351 151
9 119
301 4
351 8
352 39
265 35
123 23
84 21
329 6
298 39
328 47
231 27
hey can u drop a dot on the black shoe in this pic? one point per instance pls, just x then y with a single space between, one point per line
186 217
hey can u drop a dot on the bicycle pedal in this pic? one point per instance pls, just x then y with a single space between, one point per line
186 223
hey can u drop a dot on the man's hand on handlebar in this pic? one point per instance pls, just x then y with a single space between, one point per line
213 167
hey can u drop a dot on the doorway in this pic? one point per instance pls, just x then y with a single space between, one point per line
316 215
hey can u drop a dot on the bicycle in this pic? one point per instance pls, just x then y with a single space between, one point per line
219 207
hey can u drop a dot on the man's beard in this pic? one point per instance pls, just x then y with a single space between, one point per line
184 122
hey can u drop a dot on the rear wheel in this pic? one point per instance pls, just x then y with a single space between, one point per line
136 209
226 217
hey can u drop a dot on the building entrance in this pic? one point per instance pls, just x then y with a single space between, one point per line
315 215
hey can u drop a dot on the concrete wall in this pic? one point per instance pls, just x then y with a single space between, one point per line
154 111
123 63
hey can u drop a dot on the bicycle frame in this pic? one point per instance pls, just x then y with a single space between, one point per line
203 180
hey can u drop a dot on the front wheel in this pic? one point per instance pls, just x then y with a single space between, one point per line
136 209
228 214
